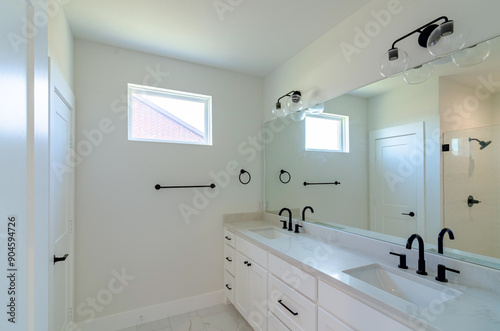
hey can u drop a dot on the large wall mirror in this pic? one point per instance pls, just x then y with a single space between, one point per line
409 159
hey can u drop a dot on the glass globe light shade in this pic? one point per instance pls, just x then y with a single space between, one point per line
418 74
393 62
444 40
279 111
294 103
317 108
298 115
472 55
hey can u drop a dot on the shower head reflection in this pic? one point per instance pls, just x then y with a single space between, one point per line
482 143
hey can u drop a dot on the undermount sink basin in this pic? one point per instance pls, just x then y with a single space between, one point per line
269 233
420 292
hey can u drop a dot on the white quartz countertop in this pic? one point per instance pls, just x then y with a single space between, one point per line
474 309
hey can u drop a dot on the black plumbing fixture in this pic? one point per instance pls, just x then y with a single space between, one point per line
441 273
421 258
290 226
441 239
304 211
402 260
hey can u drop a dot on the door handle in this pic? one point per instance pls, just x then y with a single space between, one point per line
229 288
411 214
60 259
227 258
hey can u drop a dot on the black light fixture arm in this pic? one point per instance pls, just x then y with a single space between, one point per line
420 30
290 94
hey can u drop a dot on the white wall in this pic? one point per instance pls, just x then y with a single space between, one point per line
122 221
322 71
61 41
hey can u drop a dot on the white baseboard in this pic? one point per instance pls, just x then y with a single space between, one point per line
152 313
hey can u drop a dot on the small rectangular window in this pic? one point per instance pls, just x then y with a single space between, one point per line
327 133
162 115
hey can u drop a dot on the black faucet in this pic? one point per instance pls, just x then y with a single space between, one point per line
441 238
290 227
421 259
304 212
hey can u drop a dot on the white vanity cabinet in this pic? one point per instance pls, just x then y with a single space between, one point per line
251 285
327 322
274 324
229 243
354 313
275 295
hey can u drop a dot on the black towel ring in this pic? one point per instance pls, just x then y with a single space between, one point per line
243 171
289 176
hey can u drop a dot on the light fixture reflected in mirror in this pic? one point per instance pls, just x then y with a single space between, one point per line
279 111
317 108
294 102
294 107
298 115
439 39
418 74
472 55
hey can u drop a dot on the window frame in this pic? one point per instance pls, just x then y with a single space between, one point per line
344 132
172 94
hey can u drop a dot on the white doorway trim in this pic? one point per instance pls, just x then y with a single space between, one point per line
418 130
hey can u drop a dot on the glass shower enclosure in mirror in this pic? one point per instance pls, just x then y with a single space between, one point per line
410 166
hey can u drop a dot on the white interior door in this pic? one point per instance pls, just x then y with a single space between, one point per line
61 202
396 180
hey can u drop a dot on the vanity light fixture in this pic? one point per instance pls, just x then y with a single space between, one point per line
418 74
473 55
295 107
439 39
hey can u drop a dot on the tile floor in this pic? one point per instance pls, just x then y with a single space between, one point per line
216 318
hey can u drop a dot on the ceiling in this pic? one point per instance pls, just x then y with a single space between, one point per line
248 36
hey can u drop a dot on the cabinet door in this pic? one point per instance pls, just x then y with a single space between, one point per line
241 283
258 296
274 324
327 322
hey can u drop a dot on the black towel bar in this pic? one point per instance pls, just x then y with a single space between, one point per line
158 186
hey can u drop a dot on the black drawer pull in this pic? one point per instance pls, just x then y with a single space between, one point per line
291 312
229 288
228 238
227 258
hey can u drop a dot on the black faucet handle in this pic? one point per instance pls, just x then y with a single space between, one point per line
284 223
441 273
297 228
402 260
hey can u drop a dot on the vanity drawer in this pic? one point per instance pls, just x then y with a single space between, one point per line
229 259
293 276
257 254
229 286
327 322
274 324
292 308
347 308
229 237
